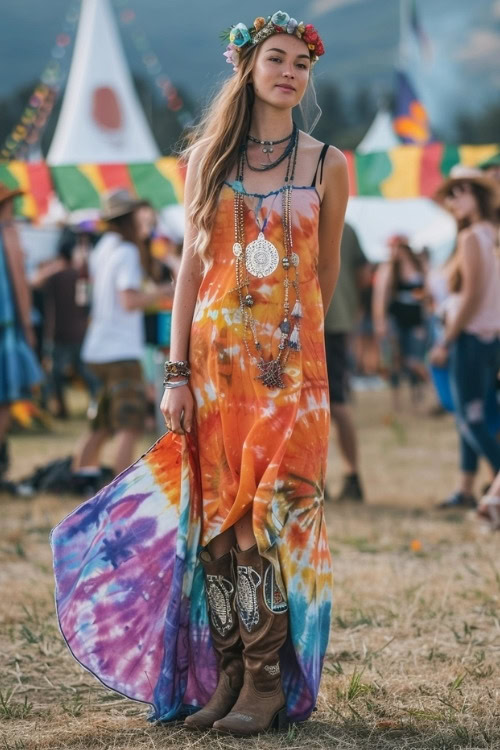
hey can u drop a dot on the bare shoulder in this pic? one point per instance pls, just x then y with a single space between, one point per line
468 238
312 148
335 159
193 161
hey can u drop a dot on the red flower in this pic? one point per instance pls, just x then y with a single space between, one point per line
278 29
310 35
320 50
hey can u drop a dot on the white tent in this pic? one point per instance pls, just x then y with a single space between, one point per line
380 136
101 120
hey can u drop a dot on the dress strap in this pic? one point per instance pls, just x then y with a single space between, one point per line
321 162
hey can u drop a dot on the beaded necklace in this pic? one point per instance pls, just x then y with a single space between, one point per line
260 258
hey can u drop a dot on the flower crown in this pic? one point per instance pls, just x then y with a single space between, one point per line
240 36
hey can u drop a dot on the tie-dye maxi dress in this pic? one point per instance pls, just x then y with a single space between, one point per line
129 585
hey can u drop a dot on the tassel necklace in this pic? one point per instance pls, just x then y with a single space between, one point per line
261 258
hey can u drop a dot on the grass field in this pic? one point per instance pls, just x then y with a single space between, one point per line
415 644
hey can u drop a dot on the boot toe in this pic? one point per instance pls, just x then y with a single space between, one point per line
200 720
237 723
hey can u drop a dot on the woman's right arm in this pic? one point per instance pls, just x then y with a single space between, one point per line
472 278
177 403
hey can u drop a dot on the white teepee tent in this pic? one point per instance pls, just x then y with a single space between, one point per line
101 120
380 136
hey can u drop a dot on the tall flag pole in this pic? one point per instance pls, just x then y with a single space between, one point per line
411 121
423 40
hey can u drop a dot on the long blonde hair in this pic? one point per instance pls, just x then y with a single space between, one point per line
219 135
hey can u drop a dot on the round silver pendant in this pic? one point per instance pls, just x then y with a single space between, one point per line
237 249
262 258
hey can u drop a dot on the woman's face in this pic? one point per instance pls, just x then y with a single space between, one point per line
461 201
281 71
145 219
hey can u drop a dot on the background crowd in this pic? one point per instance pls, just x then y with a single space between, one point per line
428 332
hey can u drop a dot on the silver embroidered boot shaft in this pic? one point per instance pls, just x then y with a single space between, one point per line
224 629
263 616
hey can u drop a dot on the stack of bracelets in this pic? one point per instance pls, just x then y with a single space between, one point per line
173 370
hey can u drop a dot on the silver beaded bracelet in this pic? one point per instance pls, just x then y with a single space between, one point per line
175 383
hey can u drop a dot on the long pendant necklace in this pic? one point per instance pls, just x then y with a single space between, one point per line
261 258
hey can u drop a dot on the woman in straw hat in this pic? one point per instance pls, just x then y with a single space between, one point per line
223 521
19 369
471 340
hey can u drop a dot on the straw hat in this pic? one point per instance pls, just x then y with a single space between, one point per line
460 174
117 203
6 193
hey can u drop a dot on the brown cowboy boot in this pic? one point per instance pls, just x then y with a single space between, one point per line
263 616
224 629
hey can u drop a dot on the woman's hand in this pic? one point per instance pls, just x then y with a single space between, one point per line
439 355
177 407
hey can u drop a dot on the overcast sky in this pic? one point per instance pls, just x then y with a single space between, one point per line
361 38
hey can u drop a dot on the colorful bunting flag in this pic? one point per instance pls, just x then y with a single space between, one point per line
409 171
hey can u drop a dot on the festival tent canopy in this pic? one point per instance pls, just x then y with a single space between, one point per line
380 136
101 119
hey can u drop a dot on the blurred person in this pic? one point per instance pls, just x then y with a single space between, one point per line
471 338
399 318
234 492
340 321
489 506
19 368
66 302
114 341
158 267
491 167
160 264
366 350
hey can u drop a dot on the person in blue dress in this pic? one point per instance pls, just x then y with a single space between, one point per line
19 368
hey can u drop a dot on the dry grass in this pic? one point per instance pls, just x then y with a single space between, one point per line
414 652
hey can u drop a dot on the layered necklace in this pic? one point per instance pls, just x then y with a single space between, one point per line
261 258
267 148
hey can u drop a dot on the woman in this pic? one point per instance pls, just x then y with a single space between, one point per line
239 479
19 369
399 318
471 339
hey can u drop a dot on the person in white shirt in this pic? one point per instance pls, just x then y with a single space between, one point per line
114 342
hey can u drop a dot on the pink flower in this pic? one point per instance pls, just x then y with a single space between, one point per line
231 55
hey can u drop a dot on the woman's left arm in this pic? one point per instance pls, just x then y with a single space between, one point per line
331 222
